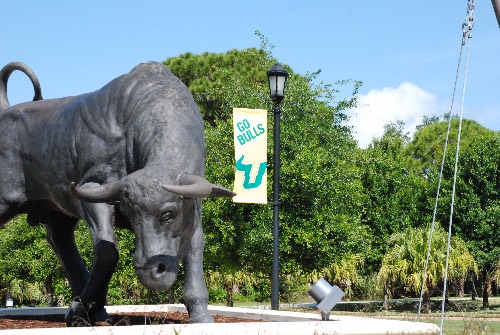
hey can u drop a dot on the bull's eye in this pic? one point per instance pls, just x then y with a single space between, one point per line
167 218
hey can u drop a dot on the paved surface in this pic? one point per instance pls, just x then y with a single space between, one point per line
276 322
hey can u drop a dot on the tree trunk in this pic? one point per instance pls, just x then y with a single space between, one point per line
460 287
49 286
486 289
426 302
229 295
472 277
385 304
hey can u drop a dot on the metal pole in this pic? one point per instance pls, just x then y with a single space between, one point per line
276 203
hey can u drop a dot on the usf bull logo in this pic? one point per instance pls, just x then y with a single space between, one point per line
247 169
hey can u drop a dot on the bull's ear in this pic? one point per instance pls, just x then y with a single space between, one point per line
192 186
96 194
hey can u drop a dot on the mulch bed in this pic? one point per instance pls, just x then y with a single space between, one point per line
119 319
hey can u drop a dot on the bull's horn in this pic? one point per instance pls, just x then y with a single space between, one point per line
192 186
496 8
96 194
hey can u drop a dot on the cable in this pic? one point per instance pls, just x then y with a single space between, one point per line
439 186
455 177
466 31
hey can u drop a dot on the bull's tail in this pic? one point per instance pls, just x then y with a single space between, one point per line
4 77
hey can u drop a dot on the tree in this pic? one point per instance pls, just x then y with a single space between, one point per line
478 205
210 75
428 142
476 214
393 188
404 263
229 281
320 189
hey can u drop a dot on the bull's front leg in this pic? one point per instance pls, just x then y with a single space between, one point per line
92 299
195 289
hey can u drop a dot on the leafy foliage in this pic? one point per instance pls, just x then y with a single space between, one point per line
320 192
346 213
393 188
210 75
405 261
344 272
476 211
29 270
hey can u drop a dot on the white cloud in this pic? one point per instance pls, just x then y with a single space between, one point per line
407 103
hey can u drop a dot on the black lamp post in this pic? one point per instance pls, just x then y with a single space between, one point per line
277 76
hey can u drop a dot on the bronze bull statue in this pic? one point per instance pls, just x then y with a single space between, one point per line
130 155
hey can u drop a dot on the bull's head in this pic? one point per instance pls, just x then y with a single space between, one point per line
164 219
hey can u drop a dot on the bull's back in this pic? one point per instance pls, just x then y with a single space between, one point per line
100 136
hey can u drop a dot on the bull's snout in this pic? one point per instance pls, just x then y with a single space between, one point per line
159 272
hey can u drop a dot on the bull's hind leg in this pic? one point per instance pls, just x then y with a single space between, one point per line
61 237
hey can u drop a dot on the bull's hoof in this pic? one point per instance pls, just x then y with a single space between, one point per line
198 313
201 319
78 316
102 317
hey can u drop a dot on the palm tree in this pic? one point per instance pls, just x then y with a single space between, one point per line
229 280
342 272
404 263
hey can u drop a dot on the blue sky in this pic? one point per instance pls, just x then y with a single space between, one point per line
405 52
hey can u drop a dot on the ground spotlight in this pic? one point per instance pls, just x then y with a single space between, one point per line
326 296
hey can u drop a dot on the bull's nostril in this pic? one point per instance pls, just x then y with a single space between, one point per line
161 268
159 272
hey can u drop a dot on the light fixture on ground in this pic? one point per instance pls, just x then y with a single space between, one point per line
326 296
277 76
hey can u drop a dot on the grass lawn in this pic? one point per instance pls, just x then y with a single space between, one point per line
474 326
457 326
462 316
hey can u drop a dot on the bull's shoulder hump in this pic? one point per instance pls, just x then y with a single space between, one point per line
142 79
148 82
154 72
153 67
